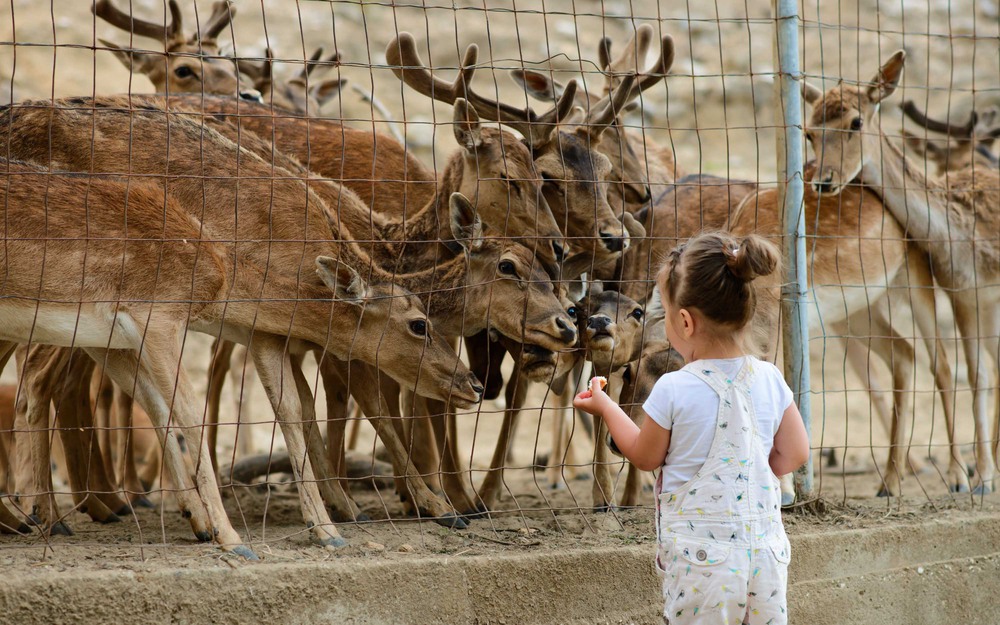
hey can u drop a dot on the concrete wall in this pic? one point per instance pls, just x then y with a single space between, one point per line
934 572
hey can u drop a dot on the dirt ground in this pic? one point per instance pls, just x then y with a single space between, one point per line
718 117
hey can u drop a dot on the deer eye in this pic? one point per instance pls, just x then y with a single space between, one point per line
183 72
637 314
856 123
418 327
571 311
507 268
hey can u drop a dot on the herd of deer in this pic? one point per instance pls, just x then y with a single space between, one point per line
131 220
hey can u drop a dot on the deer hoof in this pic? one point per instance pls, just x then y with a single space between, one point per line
60 529
787 499
958 488
111 518
983 489
332 542
452 521
142 501
245 552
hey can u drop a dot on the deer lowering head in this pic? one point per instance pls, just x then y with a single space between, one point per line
973 141
299 94
574 175
189 63
611 330
839 121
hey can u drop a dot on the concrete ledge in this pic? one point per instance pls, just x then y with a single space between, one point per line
847 576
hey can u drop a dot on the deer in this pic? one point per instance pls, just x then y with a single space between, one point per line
297 94
954 220
189 63
390 312
543 327
638 165
973 145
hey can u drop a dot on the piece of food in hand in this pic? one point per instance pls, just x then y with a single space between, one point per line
600 380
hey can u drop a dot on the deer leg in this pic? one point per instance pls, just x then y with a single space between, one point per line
131 481
423 442
384 415
923 304
332 490
41 370
285 385
103 390
897 352
163 389
222 352
515 395
93 491
9 522
970 327
242 377
556 466
453 477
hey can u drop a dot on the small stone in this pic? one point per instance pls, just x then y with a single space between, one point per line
373 546
406 548
841 585
920 570
526 531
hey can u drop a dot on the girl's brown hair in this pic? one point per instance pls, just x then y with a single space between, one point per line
713 273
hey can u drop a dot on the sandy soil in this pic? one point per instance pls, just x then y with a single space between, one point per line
718 118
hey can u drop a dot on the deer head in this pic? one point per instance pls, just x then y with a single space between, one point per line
574 175
189 63
628 171
839 120
973 141
298 94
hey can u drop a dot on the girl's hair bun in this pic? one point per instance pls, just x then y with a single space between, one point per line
752 258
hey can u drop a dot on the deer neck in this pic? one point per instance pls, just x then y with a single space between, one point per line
911 198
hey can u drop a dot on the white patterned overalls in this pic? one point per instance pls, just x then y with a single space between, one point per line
722 548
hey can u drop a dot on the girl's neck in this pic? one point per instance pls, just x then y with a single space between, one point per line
717 350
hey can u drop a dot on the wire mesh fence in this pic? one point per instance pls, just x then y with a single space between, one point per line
346 298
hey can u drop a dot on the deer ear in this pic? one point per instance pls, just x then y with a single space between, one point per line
328 90
346 283
811 93
468 131
887 78
133 60
466 226
538 84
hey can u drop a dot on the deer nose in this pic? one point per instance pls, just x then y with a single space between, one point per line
613 242
825 185
598 323
567 331
559 251
478 388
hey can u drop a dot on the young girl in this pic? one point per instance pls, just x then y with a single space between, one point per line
721 428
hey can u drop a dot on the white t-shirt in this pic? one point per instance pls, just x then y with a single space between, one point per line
685 405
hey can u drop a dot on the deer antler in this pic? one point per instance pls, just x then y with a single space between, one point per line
222 15
315 62
259 73
107 11
959 132
537 130
628 62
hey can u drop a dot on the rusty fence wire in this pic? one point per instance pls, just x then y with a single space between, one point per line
353 259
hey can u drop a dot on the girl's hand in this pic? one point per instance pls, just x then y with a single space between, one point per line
594 401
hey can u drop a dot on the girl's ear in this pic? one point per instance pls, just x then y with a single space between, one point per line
688 322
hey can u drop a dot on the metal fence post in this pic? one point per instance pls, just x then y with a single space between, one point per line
794 308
